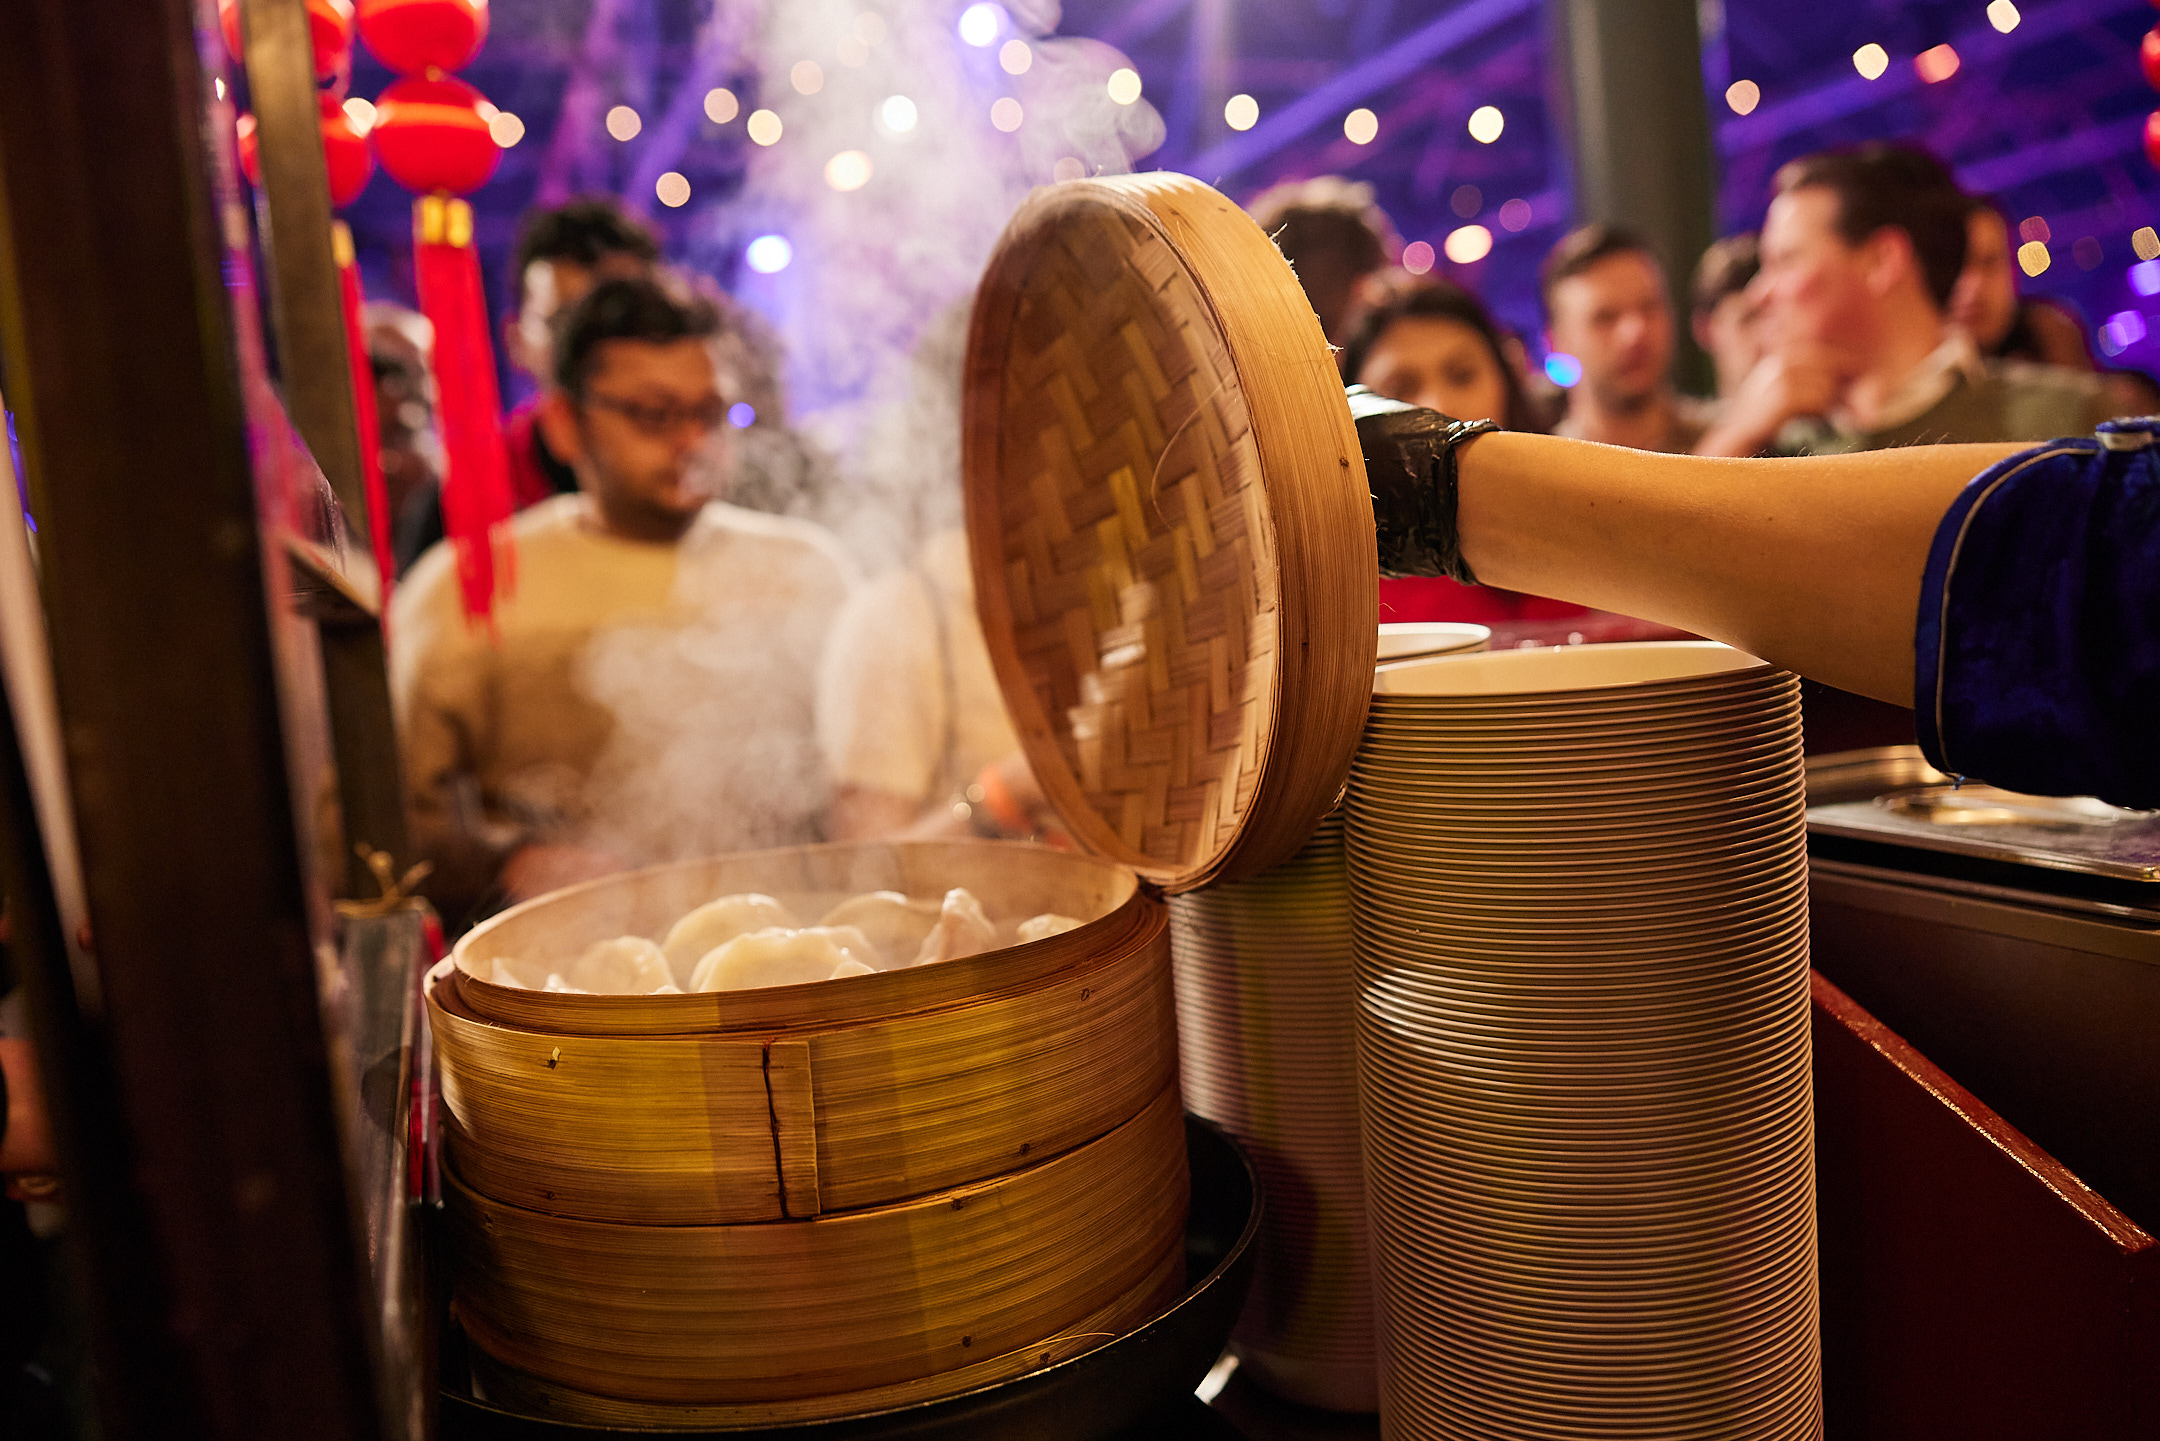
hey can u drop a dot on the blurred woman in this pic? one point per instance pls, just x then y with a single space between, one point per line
1431 343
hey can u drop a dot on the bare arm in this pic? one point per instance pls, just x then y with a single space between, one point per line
1812 563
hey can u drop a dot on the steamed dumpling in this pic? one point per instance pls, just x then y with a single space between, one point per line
502 974
895 924
625 966
558 984
961 930
852 968
716 923
778 956
1042 927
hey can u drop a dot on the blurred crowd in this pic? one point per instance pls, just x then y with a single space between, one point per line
1877 307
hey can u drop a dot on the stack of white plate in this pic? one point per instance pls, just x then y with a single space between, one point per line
1266 1019
1579 880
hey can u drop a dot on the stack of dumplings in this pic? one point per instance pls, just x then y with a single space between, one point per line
750 941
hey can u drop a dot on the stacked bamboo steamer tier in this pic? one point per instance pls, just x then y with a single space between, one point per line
1266 1026
767 1206
1580 889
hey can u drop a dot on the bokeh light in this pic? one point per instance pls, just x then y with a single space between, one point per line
1417 257
849 170
1006 114
1936 65
1241 112
1015 56
769 254
1742 96
2033 257
1563 370
851 50
981 23
764 127
870 27
623 123
897 114
1468 244
2035 227
361 114
2145 243
1515 215
2121 330
2144 277
1360 126
1486 123
721 106
742 415
1871 61
2003 16
2087 252
1467 201
808 77
1124 85
506 129
673 189
1069 167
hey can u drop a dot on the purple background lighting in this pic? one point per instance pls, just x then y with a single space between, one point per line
2047 118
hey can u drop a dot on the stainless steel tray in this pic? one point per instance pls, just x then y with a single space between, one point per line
1893 797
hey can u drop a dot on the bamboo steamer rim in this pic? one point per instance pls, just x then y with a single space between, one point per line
647 900
1149 397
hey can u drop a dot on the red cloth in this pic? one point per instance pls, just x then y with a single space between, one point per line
1516 620
1438 598
529 484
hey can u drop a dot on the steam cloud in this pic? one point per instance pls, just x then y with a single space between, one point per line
885 270
707 754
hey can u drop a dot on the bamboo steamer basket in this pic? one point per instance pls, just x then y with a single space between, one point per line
808 1316
801 1201
797 1101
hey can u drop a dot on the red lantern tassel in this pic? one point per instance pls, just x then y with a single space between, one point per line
476 483
365 418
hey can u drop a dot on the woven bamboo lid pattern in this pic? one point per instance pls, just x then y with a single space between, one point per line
1172 536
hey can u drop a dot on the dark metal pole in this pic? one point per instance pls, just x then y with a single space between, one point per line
1627 87
316 381
302 270
218 1163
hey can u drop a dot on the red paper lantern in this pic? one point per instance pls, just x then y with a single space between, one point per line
250 154
330 28
2152 137
2149 56
414 37
432 136
346 156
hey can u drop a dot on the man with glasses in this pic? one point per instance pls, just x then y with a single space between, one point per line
646 691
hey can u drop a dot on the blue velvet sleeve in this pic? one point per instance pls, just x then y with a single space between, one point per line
2038 645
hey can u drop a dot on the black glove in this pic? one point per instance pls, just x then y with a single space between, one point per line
1410 466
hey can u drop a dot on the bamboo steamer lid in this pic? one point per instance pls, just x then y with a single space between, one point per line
1170 527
